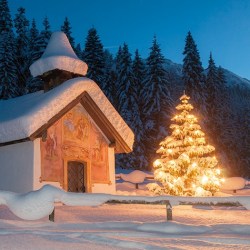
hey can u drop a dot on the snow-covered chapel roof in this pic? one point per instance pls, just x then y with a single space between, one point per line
22 117
58 55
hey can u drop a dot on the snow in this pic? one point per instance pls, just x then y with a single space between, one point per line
58 55
22 116
37 204
233 183
130 226
136 176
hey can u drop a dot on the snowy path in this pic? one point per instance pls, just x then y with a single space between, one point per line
129 227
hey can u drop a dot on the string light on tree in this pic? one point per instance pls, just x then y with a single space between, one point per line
187 165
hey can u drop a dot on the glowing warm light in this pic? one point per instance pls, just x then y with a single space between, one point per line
187 165
199 191
194 165
217 183
217 171
161 174
204 179
157 163
222 180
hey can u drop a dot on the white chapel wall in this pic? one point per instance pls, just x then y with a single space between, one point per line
16 167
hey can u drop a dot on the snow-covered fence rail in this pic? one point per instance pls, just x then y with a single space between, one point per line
38 204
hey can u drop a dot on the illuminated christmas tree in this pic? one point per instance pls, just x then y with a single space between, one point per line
187 165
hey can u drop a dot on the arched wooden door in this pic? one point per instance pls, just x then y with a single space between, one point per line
76 178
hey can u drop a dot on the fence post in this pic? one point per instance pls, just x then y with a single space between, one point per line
52 216
169 211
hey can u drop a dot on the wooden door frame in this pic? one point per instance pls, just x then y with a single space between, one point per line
87 173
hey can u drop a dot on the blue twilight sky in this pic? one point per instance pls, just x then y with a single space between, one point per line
219 26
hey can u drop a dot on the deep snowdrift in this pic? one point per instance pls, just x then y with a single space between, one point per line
38 204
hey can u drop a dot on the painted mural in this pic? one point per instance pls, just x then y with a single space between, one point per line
83 140
51 155
74 137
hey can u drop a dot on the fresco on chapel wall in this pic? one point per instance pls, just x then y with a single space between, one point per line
82 140
51 155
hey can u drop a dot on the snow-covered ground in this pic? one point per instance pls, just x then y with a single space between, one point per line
130 226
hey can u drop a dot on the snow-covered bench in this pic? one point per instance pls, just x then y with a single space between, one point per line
136 177
233 184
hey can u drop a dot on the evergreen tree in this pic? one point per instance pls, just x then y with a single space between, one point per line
128 103
42 40
38 43
33 35
33 83
193 73
222 113
221 120
139 71
94 57
187 165
211 88
22 48
118 59
78 51
5 17
46 32
8 69
114 73
66 28
109 77
157 100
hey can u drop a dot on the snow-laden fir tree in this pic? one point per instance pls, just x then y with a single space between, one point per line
187 165
42 40
157 101
223 112
33 35
78 51
126 89
66 28
22 48
109 77
127 103
93 55
33 84
5 17
192 73
139 71
8 65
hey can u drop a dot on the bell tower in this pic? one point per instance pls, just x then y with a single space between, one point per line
58 63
